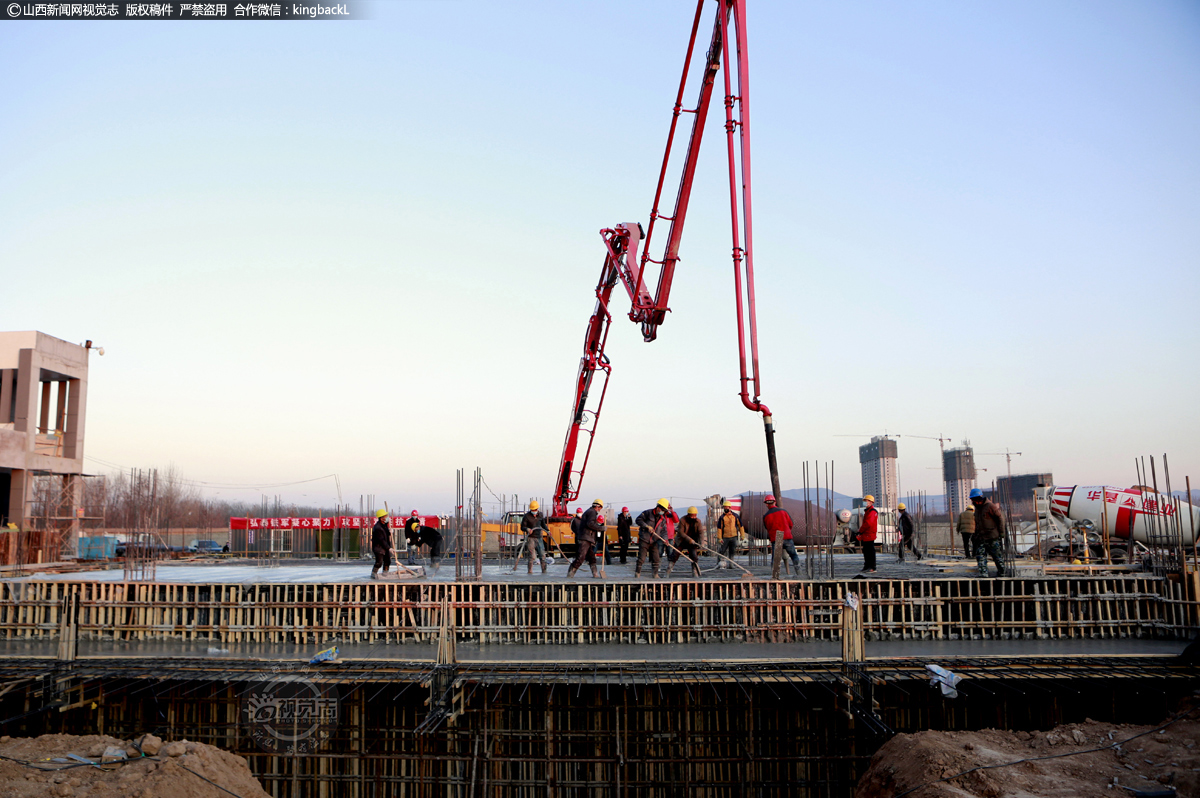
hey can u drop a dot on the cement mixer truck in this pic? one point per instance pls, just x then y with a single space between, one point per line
1128 515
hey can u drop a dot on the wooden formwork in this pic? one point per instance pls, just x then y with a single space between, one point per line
604 612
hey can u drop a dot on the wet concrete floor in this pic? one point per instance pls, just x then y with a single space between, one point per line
846 566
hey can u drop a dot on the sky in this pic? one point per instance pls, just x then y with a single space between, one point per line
370 248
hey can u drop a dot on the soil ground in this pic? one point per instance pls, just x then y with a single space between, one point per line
1152 762
164 775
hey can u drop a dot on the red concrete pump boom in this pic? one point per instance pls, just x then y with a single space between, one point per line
622 263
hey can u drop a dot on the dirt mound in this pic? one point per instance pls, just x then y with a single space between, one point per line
166 770
1152 762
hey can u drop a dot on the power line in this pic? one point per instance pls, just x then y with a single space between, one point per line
202 484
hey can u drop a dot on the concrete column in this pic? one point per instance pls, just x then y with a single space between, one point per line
26 416
18 494
44 417
7 377
73 439
60 412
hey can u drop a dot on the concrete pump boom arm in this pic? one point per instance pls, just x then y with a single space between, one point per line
622 262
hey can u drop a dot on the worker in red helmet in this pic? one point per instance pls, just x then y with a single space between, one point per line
576 520
412 534
778 521
868 529
624 533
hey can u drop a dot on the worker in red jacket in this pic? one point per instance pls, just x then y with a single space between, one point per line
868 530
776 520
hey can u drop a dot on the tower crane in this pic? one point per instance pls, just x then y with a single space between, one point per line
941 439
624 264
1006 454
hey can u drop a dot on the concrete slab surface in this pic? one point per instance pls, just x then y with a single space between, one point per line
846 566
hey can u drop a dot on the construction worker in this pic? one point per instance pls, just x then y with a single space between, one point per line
989 533
966 530
650 527
381 543
591 523
669 520
624 533
433 539
868 530
729 527
576 521
533 525
905 524
412 534
689 537
777 520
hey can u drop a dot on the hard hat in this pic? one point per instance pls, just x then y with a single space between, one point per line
843 516
976 493
597 503
578 510
533 505
727 503
624 509
869 498
691 511
900 506
663 503
970 509
380 513
414 513
768 499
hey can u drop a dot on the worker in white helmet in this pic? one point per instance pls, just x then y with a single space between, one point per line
591 524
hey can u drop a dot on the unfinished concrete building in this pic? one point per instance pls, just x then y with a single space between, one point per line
43 396
958 470
878 461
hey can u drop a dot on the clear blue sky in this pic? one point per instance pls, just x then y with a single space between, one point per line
369 247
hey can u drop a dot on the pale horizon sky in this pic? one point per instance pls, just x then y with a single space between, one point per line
370 248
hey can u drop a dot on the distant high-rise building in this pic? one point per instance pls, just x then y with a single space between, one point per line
878 459
1016 493
958 469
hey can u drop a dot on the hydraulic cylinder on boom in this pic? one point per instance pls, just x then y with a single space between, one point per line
628 251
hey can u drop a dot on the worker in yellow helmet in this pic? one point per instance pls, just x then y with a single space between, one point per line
904 524
689 537
533 525
412 534
381 543
729 528
650 529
